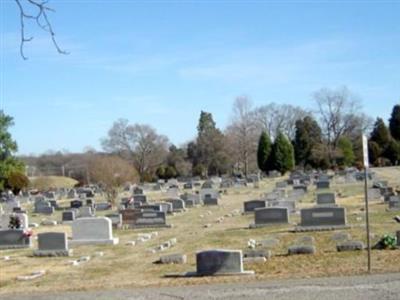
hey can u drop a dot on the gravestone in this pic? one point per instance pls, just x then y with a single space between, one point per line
220 262
191 198
140 198
188 186
76 204
281 184
85 212
151 207
208 185
209 200
285 203
177 204
323 217
93 231
326 199
166 207
5 220
210 193
250 206
300 187
71 194
138 219
323 184
270 216
116 219
103 206
43 207
52 244
138 191
14 238
374 194
398 238
68 216
394 203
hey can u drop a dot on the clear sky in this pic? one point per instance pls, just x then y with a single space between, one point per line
161 62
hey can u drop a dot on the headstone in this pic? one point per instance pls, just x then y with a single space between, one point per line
93 231
116 220
177 204
271 216
166 207
286 203
68 216
76 204
140 198
103 206
85 212
151 208
188 186
281 184
374 194
326 199
52 244
323 184
208 193
300 187
137 219
220 262
43 207
250 206
208 200
394 203
323 217
398 238
14 238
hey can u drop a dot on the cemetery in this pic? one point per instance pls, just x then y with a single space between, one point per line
260 232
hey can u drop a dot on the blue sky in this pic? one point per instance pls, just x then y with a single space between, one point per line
161 62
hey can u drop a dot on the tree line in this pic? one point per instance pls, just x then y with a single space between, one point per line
268 137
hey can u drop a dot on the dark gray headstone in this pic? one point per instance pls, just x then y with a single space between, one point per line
134 218
68 216
250 206
14 238
326 199
323 184
323 216
52 244
271 216
215 262
76 204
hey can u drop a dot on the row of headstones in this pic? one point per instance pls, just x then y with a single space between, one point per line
316 217
84 231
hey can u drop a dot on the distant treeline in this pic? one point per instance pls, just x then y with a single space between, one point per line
268 137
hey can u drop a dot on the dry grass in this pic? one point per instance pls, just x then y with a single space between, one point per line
127 266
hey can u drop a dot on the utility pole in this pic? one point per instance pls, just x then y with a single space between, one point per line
366 167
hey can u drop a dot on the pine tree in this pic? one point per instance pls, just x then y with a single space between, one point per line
283 154
264 151
380 134
392 152
308 135
394 123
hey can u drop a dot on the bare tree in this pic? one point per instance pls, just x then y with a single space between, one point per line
338 110
274 118
112 172
242 134
41 18
139 143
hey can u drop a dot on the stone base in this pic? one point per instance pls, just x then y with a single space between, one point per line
5 247
319 228
52 253
113 241
146 226
195 274
252 226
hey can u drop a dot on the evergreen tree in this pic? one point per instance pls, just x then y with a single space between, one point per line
374 152
308 135
347 156
380 134
8 148
264 151
283 154
392 152
394 123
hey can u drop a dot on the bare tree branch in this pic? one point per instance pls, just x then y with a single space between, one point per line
42 21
